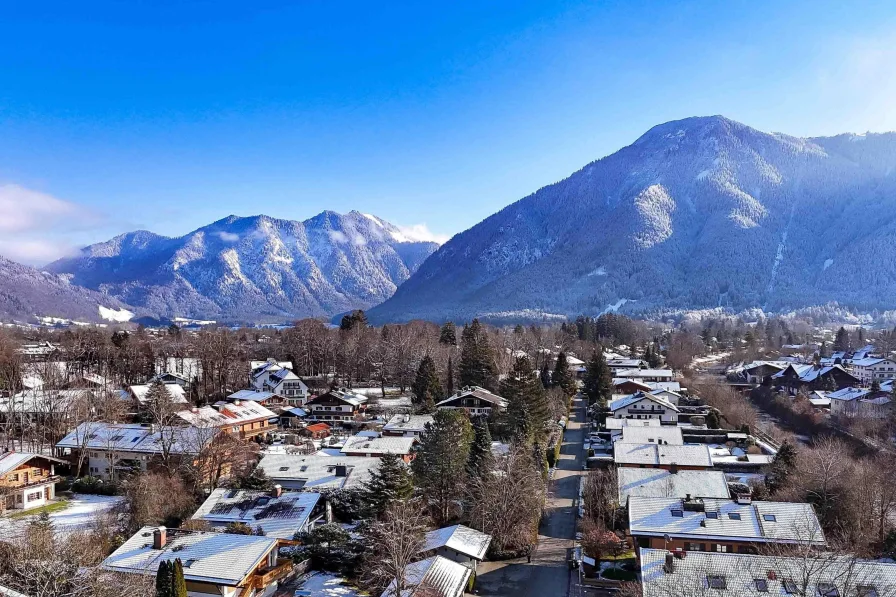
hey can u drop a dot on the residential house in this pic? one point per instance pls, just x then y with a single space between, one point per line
108 449
435 576
644 405
278 378
170 378
366 446
718 525
184 368
664 435
243 419
812 377
317 431
335 405
293 418
266 399
27 480
649 482
318 471
656 456
140 392
743 575
621 364
276 513
645 374
475 401
873 369
214 563
758 371
860 403
627 387
407 425
458 543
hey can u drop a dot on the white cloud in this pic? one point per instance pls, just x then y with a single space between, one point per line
22 209
420 233
229 237
337 237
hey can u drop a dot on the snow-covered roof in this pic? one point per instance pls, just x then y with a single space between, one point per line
652 482
175 391
460 538
639 396
216 558
252 395
476 392
360 444
756 522
317 471
656 455
869 362
148 439
747 575
809 373
618 381
42 401
279 517
224 413
10 461
848 394
615 424
446 577
347 397
408 423
652 435
639 373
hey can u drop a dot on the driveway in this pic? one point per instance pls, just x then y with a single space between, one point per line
548 574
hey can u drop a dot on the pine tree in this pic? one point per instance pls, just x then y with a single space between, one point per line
356 318
875 386
481 460
427 388
652 356
477 363
545 376
448 334
257 481
712 420
440 461
563 377
178 583
598 379
527 407
782 467
389 482
861 337
164 580
841 342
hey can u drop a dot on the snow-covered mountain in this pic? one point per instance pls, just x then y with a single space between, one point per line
31 296
253 268
696 213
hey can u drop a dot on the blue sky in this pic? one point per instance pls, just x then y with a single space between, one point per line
169 115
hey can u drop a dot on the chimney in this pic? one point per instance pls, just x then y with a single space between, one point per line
341 470
673 468
669 566
159 538
687 497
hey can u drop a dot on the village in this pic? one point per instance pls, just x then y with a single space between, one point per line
605 456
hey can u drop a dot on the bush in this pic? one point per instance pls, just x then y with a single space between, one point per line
95 486
619 574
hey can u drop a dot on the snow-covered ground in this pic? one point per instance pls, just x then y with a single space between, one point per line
325 584
82 511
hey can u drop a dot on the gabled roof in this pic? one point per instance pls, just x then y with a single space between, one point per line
636 373
446 577
756 522
653 482
408 423
848 394
809 373
476 392
656 455
362 444
174 390
868 362
234 413
460 538
618 381
637 397
10 461
279 517
253 395
652 435
348 398
217 558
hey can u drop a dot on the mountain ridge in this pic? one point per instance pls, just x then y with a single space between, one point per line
695 213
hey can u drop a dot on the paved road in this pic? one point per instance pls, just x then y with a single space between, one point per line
548 574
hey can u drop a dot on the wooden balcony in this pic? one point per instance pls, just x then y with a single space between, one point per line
268 575
36 481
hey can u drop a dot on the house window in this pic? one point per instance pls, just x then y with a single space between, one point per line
34 496
721 548
761 585
827 589
715 581
866 591
789 586
734 515
677 513
712 515
769 518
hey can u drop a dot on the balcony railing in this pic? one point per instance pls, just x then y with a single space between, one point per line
265 577
38 481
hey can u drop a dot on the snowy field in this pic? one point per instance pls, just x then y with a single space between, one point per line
324 584
82 512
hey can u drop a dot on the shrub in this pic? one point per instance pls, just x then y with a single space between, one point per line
95 486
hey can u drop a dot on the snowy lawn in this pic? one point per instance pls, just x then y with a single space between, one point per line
77 513
325 584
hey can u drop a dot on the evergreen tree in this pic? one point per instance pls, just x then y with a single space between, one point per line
875 386
782 467
545 376
350 321
598 379
164 580
440 461
712 420
861 336
841 342
258 481
527 407
653 356
563 377
449 386
178 583
389 482
481 460
477 363
427 388
448 334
